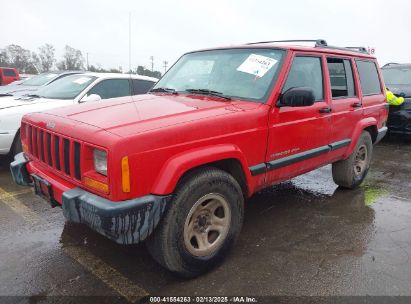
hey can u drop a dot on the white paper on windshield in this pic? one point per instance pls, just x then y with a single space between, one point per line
81 80
257 65
51 75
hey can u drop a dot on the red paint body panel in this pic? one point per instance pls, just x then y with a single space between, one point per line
8 75
166 135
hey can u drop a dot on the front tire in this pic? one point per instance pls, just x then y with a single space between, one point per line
202 223
351 172
16 147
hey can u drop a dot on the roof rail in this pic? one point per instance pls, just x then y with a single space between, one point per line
318 42
390 63
360 49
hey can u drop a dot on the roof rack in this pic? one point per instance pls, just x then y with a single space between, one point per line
390 63
320 43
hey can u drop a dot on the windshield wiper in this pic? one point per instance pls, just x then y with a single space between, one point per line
164 90
208 92
33 95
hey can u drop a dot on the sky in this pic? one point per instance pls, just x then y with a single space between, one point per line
169 28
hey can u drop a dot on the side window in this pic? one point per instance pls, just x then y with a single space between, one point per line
111 88
141 86
306 72
370 82
9 73
341 77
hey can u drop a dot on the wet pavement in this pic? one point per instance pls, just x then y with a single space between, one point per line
300 238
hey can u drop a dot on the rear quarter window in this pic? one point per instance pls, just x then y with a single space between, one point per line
369 79
9 73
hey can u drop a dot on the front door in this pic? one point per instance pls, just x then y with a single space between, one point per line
299 136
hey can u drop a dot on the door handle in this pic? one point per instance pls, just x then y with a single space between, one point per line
357 105
325 110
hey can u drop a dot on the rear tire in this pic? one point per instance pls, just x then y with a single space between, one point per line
201 224
350 173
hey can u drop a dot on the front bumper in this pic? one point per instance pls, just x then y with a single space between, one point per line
126 222
381 133
399 118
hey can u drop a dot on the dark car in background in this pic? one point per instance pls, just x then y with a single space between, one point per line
397 78
34 83
8 75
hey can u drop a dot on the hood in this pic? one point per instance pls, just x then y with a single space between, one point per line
397 89
126 116
17 89
13 101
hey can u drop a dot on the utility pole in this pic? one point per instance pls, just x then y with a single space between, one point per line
152 63
88 67
129 42
165 62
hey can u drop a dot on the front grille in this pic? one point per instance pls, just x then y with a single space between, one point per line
59 152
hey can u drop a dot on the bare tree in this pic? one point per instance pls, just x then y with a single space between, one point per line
19 57
4 58
72 59
34 67
46 57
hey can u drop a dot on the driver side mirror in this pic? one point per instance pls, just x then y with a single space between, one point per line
297 97
92 97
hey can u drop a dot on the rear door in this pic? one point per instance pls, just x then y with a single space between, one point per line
345 102
373 97
140 86
299 136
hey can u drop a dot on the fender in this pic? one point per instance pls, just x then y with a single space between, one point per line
179 164
361 125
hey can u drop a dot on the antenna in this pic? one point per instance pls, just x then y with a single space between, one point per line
129 42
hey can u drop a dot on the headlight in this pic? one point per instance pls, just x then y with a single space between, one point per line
100 161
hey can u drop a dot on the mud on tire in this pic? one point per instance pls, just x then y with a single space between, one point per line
350 173
201 224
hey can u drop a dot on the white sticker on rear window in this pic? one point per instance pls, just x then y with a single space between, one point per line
81 80
257 65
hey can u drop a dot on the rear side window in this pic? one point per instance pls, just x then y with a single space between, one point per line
306 72
111 88
341 78
141 86
9 73
370 82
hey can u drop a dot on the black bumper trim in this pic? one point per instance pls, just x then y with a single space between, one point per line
19 171
126 222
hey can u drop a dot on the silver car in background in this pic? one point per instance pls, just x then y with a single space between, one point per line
32 84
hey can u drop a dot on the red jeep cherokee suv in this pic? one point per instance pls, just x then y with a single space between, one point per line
174 167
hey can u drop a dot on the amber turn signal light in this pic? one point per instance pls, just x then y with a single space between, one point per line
96 184
125 173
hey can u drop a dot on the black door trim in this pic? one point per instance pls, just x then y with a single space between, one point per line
292 159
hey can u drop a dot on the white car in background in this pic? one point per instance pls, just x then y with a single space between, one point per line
69 90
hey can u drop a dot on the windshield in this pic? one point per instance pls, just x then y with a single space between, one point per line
68 87
39 80
401 76
238 73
